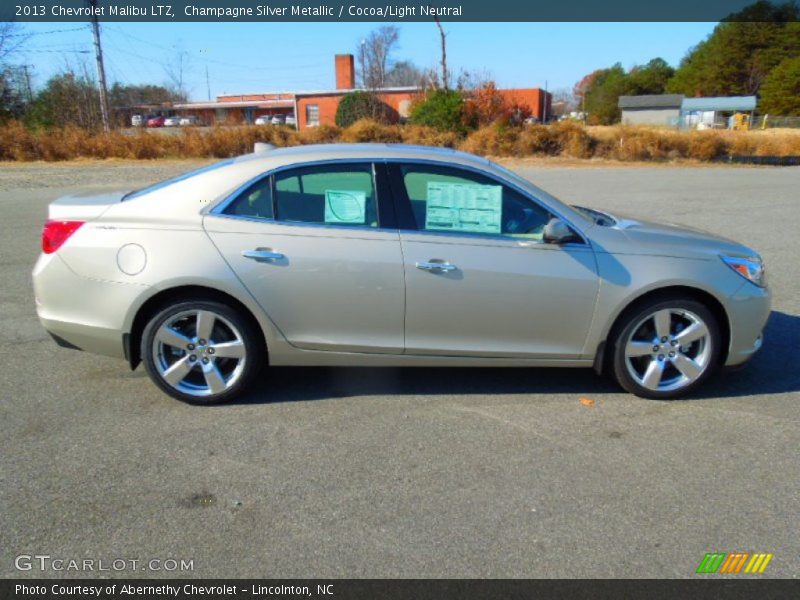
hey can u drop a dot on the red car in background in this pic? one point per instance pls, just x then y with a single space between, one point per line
155 122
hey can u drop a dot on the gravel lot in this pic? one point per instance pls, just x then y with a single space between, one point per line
408 473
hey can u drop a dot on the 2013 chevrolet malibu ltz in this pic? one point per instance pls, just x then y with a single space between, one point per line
378 255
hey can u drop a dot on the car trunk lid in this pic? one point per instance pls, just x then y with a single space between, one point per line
84 206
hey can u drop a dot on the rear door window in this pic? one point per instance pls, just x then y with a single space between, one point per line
342 195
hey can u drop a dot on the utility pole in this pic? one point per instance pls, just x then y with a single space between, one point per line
28 83
101 71
544 101
208 85
583 107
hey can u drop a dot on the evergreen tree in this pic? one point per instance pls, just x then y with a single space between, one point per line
739 54
780 93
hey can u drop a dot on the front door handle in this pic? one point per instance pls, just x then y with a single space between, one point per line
263 254
435 265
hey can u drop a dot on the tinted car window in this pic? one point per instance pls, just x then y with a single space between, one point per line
328 195
454 200
255 201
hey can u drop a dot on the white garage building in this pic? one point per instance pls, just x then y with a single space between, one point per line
654 109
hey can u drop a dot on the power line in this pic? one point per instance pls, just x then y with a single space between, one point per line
44 32
133 67
61 45
59 51
218 62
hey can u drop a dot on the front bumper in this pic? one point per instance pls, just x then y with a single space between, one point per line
748 311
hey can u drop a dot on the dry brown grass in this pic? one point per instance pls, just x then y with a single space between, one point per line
324 134
367 130
565 140
492 140
427 136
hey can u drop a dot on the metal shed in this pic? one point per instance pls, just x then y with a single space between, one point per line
714 112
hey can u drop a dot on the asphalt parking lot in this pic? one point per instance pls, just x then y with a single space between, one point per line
407 473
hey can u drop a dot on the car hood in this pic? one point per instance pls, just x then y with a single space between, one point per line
666 239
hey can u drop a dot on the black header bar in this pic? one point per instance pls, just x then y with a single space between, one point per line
276 11
418 589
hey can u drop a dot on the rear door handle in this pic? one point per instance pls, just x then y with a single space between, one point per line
262 254
437 266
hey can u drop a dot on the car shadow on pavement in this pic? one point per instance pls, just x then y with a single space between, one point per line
296 384
775 369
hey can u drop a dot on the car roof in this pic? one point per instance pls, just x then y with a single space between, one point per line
319 152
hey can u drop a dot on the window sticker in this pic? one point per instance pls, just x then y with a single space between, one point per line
345 207
467 207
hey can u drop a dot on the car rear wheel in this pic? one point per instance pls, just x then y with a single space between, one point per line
666 348
201 352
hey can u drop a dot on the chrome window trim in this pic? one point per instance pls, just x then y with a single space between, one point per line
219 208
490 237
308 225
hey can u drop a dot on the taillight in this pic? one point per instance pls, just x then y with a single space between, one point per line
55 233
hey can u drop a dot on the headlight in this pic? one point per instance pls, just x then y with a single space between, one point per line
750 268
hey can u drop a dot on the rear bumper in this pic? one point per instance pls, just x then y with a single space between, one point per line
88 314
81 336
748 311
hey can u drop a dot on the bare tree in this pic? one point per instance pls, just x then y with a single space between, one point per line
374 58
11 39
14 80
564 102
15 92
444 53
176 69
464 80
468 81
405 74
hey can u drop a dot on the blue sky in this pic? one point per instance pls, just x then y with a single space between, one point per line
248 57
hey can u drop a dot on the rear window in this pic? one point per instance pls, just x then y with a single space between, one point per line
184 176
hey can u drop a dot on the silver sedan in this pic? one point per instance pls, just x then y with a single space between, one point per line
387 255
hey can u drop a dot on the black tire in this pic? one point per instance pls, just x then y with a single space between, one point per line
227 321
633 320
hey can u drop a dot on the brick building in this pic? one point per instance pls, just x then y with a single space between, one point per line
318 107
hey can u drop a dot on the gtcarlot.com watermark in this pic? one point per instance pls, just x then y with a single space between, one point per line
47 563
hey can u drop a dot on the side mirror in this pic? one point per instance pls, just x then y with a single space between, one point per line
557 232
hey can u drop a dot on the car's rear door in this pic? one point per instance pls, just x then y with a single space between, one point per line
318 248
480 281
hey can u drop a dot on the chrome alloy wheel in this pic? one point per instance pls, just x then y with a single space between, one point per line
199 352
668 350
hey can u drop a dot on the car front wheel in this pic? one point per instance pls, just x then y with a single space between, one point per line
666 348
201 352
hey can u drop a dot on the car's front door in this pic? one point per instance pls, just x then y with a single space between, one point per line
318 249
480 280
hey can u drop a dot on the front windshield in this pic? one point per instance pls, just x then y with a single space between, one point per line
511 174
536 191
600 218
